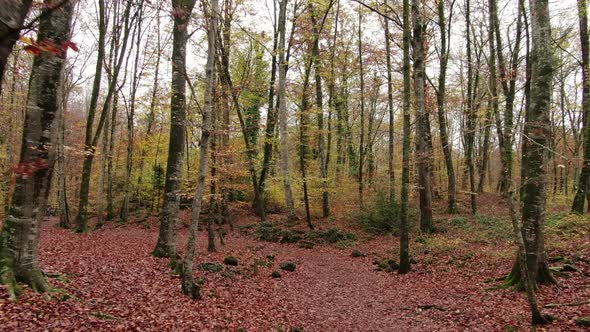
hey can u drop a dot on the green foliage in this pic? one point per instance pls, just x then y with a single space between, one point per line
269 232
210 267
275 274
381 217
357 253
386 265
332 235
288 266
568 225
460 222
158 177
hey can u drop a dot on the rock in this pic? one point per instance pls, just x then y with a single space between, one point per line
288 266
357 253
275 274
230 260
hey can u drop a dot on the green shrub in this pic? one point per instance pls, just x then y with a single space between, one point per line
381 216
210 267
288 266
332 235
269 232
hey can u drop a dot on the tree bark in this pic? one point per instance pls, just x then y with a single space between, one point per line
362 101
423 147
534 153
583 181
404 252
19 239
440 101
470 113
12 17
391 146
189 287
166 246
283 113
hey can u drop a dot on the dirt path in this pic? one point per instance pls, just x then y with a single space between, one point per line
116 285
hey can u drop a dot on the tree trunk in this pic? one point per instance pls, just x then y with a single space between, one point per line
91 139
166 246
317 64
12 17
131 115
404 252
153 103
470 113
19 239
64 210
362 101
283 113
578 204
271 123
189 287
440 101
423 147
391 150
534 154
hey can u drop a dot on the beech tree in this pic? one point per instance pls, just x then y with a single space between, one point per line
166 246
19 239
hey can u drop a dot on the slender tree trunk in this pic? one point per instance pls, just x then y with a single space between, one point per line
578 204
271 123
189 287
440 101
362 101
391 150
131 115
317 64
304 139
470 113
153 103
404 252
423 148
19 239
91 139
110 166
166 246
64 209
283 113
102 175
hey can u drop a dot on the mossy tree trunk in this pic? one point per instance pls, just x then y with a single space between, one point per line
166 246
19 239
534 157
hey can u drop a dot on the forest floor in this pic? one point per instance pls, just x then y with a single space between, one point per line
109 281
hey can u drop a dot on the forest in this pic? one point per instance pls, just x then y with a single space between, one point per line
294 165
